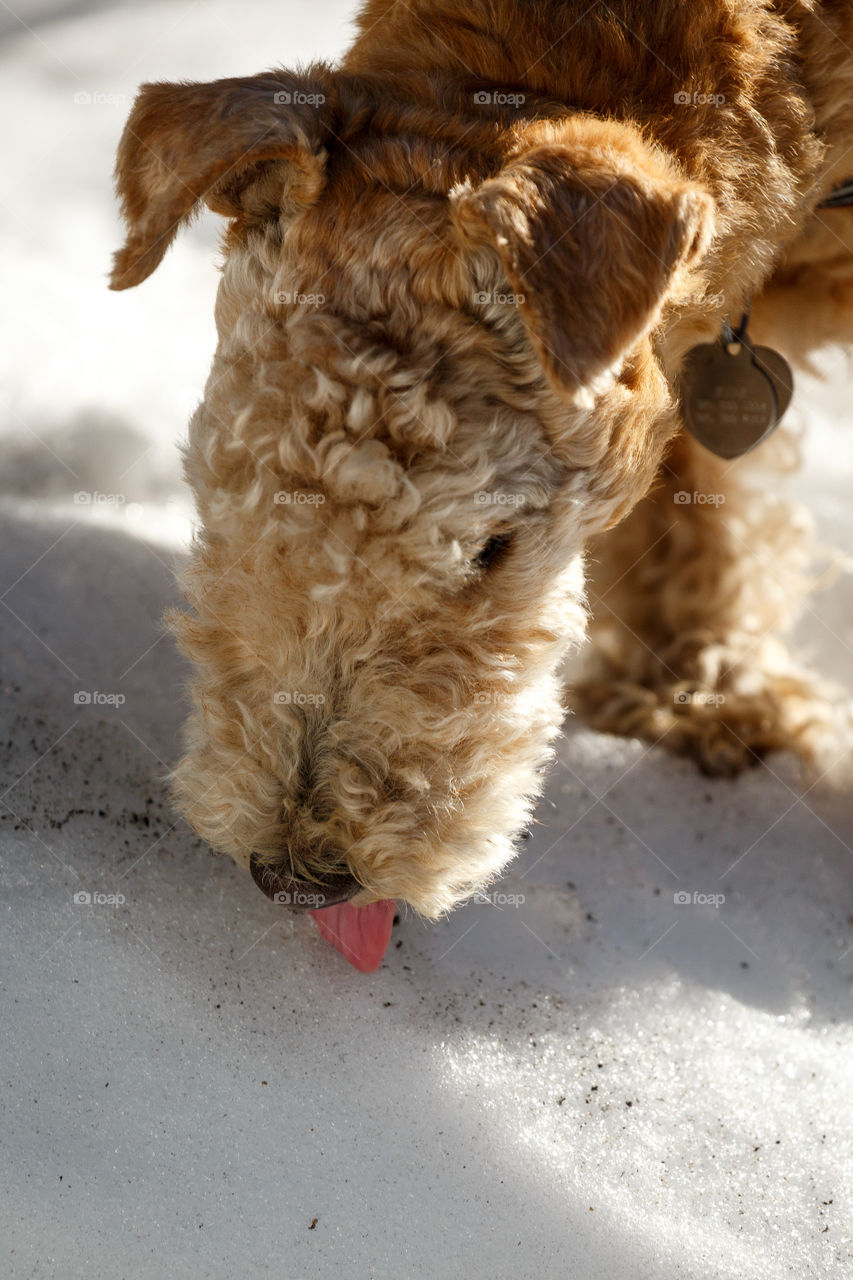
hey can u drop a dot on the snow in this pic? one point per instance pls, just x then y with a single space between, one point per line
593 1082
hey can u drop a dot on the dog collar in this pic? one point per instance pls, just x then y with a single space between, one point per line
733 395
840 198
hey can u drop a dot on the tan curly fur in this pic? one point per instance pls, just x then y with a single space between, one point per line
460 274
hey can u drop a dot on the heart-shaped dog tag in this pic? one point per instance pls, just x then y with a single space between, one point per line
733 395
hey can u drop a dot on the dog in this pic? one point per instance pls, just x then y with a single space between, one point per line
463 273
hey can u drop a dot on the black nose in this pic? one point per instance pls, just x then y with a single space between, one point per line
282 887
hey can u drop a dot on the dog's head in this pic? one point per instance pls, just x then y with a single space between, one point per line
434 380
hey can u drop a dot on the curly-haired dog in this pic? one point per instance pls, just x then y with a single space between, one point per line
462 271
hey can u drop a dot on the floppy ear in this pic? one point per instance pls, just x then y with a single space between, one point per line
244 146
592 231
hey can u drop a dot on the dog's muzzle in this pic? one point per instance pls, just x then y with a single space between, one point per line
301 895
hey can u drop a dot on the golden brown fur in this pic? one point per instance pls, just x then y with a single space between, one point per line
450 326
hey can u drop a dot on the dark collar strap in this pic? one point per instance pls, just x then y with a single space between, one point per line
840 198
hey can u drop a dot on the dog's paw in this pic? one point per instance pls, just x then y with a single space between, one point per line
731 724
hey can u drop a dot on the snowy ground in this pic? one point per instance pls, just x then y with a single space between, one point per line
597 1083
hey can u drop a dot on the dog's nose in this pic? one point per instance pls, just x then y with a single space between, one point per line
281 886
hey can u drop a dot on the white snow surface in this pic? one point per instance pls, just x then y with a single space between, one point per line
597 1083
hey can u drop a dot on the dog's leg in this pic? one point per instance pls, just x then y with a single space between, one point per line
690 596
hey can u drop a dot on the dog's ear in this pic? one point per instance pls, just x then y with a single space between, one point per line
593 230
244 146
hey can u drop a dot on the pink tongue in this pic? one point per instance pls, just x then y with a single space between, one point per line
360 933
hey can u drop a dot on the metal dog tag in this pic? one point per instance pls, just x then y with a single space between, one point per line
733 395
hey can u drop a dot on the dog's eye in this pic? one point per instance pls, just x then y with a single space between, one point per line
492 551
